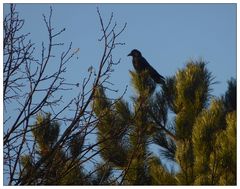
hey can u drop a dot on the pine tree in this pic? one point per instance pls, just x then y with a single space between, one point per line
202 131
197 136
125 133
61 168
215 141
192 91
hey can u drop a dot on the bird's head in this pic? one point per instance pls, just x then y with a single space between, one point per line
135 53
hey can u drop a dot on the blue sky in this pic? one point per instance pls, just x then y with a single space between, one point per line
168 35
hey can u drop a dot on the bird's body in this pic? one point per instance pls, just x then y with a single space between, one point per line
140 64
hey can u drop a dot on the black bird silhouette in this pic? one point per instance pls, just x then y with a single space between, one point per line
140 64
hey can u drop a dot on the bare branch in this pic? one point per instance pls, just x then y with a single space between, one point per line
30 88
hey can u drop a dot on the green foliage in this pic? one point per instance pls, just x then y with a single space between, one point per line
167 144
60 167
28 168
230 98
112 126
158 173
159 108
185 158
198 138
138 171
169 92
206 127
199 135
76 145
46 133
142 83
192 92
193 86
123 134
198 128
227 144
102 175
214 139
215 146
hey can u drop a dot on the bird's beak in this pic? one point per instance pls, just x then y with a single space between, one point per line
130 54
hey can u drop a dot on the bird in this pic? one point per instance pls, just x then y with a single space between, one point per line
140 64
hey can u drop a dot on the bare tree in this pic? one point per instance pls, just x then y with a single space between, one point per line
29 89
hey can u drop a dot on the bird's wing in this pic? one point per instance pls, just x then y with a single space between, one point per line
153 73
156 76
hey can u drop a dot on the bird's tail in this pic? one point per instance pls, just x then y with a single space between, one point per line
158 78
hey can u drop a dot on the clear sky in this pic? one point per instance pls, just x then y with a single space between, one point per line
168 35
